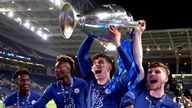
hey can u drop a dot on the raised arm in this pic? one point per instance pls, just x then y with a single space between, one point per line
114 32
82 56
137 49
137 46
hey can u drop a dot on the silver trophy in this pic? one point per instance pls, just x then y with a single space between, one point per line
96 21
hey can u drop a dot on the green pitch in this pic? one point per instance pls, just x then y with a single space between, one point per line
1 104
51 105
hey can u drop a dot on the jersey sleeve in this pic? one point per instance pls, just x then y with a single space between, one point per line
8 101
128 64
82 56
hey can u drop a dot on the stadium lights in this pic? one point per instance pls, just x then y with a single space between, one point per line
26 24
56 2
32 28
10 14
148 49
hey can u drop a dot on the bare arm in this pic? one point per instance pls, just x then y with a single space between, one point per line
137 46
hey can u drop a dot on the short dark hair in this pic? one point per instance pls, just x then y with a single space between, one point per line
107 58
68 59
19 72
159 64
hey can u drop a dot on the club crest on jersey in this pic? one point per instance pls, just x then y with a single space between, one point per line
107 91
76 90
33 102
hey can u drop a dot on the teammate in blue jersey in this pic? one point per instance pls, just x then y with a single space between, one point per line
150 92
68 91
98 76
24 96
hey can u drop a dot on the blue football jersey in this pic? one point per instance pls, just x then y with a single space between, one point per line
15 99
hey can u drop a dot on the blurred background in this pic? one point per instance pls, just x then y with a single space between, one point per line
30 38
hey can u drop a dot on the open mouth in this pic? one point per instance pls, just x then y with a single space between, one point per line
153 81
26 87
98 71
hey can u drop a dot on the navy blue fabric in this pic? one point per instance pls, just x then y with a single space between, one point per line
107 99
54 91
142 99
12 99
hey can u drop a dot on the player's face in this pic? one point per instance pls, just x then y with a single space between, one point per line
62 70
156 78
101 68
23 82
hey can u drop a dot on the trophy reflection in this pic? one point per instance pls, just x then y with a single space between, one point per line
96 21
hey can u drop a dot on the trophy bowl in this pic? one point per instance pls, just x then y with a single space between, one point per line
96 21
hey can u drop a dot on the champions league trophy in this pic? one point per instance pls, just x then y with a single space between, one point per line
96 21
